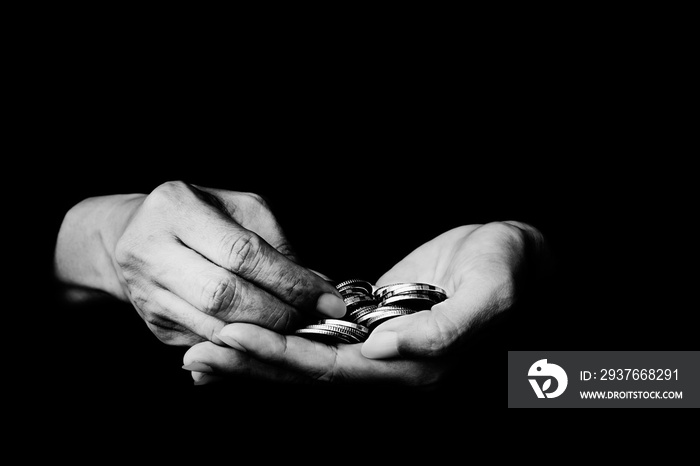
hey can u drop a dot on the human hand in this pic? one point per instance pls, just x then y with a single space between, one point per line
192 259
480 267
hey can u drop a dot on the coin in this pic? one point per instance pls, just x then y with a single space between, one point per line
356 301
321 335
414 300
344 323
360 312
345 333
355 283
409 288
359 331
368 307
379 292
384 315
354 290
380 311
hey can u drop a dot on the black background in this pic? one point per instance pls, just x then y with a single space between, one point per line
362 162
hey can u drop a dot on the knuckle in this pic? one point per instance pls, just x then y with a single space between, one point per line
171 188
250 206
123 251
167 194
297 289
168 331
220 294
130 264
129 257
158 326
166 335
282 321
284 248
253 200
242 252
506 230
530 232
520 225
153 319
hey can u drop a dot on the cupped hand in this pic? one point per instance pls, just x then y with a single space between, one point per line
480 266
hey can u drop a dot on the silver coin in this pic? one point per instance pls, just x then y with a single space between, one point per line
361 311
343 333
360 334
395 308
351 296
344 323
382 290
411 288
354 290
415 300
363 320
329 337
356 301
369 306
358 331
383 316
355 283
369 316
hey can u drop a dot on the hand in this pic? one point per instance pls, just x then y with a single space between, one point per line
480 267
191 259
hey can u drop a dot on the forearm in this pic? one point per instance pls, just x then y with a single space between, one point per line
84 255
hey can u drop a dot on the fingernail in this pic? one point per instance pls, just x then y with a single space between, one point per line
331 305
229 340
381 345
207 379
198 366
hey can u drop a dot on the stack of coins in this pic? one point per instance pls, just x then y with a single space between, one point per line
367 307
333 331
401 299
356 294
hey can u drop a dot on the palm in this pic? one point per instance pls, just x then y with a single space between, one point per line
476 265
471 263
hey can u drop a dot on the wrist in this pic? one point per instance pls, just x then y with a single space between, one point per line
84 254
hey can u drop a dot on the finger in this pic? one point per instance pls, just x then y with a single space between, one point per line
216 236
324 363
204 379
201 373
311 359
414 335
169 314
218 292
218 360
251 211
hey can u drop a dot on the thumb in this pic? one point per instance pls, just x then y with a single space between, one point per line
423 334
438 331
